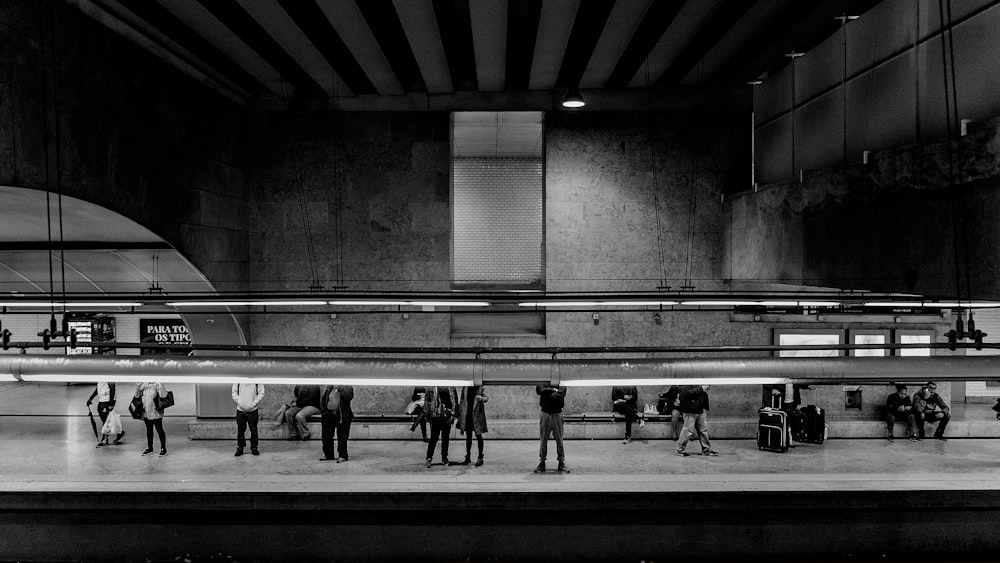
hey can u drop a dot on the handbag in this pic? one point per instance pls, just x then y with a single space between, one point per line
164 402
135 408
113 425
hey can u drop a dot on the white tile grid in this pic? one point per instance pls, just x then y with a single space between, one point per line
27 327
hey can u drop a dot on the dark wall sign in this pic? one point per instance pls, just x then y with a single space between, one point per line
170 332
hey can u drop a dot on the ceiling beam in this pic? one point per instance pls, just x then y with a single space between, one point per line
522 28
455 24
242 24
161 19
656 21
724 18
587 27
383 21
314 24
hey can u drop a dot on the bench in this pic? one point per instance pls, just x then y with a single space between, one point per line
610 416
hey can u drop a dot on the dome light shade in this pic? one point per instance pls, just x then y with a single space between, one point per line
573 100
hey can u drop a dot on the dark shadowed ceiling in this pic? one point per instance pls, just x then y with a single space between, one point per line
486 54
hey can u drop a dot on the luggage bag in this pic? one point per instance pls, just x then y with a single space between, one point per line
800 425
772 430
815 424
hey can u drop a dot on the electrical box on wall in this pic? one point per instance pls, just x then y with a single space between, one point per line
852 397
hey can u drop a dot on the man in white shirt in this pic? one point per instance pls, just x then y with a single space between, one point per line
247 397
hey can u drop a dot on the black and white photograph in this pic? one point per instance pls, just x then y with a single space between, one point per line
505 281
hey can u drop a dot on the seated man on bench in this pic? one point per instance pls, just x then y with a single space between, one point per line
899 404
925 405
625 401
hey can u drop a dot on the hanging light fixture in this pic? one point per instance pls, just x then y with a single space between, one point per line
573 99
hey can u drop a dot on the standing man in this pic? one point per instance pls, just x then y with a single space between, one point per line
105 395
899 404
336 416
694 407
925 405
551 400
247 397
625 401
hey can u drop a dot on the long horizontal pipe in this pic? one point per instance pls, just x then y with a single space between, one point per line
548 350
410 371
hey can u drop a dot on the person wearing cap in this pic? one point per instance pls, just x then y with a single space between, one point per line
926 403
899 404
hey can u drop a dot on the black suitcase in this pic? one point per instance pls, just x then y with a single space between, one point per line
815 424
772 430
799 425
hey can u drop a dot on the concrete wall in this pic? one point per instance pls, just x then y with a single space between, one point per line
123 130
893 92
890 225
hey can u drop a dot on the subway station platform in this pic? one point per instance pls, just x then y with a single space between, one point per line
845 500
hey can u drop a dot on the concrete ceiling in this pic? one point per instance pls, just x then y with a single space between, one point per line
99 251
401 54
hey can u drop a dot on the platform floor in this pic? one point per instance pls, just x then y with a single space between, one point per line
46 443
61 498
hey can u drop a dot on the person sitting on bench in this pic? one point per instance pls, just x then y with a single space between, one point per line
899 404
625 401
925 405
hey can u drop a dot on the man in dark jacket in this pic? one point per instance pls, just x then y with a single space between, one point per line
899 404
694 407
551 400
336 416
925 405
625 401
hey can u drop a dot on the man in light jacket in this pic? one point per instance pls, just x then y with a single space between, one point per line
247 397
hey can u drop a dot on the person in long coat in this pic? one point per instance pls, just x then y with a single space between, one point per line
472 420
439 407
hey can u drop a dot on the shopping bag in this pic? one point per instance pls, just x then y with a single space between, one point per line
113 425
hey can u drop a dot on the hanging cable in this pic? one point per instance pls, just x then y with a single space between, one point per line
338 196
950 153
651 141
56 117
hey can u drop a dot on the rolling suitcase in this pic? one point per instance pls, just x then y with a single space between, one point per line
799 425
772 430
815 424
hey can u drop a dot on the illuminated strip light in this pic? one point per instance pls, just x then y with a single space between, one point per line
677 381
269 379
7 377
972 305
890 304
417 303
597 303
800 303
69 304
722 303
244 303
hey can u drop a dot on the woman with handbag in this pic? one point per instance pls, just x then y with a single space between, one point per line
152 413
472 420
440 406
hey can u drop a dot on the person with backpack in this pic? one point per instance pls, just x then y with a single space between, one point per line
247 397
694 407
